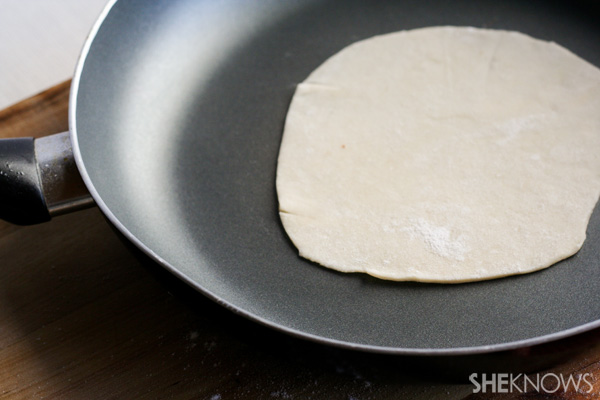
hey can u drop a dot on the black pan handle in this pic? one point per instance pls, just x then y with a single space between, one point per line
39 179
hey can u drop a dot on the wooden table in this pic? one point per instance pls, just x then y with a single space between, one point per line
81 317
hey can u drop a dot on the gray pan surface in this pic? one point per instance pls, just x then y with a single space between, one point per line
177 113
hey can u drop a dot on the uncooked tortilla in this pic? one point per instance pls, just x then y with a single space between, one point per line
442 154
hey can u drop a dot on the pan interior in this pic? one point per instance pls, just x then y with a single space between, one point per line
178 114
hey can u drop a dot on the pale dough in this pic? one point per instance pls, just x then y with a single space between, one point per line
442 154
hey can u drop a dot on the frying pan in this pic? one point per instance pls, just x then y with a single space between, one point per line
176 116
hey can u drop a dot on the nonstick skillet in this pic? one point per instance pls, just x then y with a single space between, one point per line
176 115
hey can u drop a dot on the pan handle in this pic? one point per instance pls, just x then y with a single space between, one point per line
39 179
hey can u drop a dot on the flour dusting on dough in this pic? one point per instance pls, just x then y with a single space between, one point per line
439 239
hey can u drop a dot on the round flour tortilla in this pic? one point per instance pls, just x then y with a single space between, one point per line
442 154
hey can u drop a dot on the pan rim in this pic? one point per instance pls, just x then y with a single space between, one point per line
405 351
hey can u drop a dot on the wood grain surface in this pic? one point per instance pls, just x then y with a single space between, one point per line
83 317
